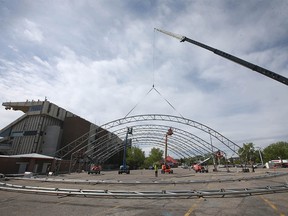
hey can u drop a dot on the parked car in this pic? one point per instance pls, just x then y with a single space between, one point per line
184 166
259 165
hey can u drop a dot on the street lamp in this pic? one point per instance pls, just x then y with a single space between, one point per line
260 155
213 156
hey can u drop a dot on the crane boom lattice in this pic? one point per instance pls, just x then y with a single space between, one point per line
230 57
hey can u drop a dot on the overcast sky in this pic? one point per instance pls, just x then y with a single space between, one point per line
98 59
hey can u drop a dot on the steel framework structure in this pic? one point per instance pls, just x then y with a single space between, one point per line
191 144
148 131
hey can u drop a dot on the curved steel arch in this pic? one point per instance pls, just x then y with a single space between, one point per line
181 120
183 139
106 153
150 142
178 143
154 142
182 134
74 146
158 141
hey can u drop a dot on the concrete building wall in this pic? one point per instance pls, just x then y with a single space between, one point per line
73 128
25 135
55 111
28 134
21 165
11 165
92 136
22 144
51 139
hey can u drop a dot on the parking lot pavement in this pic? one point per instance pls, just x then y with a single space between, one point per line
13 203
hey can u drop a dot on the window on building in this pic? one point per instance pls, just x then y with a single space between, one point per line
30 133
35 108
17 134
58 111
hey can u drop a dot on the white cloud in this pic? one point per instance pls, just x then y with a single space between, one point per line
32 32
13 48
98 60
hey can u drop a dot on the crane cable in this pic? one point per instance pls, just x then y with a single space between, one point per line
153 86
153 66
139 102
167 101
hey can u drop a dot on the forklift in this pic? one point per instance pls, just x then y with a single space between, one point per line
201 166
166 169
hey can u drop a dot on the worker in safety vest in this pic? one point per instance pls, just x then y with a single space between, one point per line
156 170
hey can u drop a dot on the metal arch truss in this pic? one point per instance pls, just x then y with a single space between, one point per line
182 143
180 120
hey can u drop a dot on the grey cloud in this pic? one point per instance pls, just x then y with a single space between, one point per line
99 58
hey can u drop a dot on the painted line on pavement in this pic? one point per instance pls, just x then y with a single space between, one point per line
274 207
193 207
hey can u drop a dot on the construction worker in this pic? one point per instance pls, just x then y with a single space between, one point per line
156 170
48 169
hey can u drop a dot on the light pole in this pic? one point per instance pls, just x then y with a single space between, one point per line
260 155
213 155
169 133
281 162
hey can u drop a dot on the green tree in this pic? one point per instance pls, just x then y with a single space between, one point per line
275 151
247 153
155 156
193 160
135 157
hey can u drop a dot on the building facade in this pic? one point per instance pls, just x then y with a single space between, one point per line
39 130
46 129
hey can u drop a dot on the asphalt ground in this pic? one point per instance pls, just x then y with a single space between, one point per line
16 203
